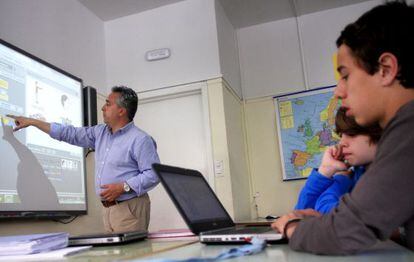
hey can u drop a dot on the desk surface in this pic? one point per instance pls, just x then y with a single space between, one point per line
153 249
131 251
283 253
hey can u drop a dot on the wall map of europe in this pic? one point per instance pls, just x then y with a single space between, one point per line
306 125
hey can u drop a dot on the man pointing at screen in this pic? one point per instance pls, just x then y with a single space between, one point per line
124 155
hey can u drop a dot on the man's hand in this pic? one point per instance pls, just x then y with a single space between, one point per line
112 191
280 224
21 122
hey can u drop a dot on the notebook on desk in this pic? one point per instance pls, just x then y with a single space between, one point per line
107 239
203 211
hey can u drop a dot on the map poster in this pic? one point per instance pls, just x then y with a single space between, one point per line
306 127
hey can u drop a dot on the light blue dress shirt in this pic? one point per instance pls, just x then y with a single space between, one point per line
125 156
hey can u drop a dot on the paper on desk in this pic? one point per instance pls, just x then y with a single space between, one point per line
52 255
35 243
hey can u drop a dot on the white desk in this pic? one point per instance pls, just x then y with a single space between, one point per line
153 249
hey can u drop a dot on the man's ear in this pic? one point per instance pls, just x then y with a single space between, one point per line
388 68
122 111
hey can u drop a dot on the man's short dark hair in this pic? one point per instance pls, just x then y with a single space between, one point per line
347 125
385 28
127 99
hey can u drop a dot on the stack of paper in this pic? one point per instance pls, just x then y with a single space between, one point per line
30 244
51 255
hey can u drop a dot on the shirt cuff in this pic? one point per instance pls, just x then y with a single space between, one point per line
55 130
342 178
319 176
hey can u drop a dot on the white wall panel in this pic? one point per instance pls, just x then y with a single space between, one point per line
319 32
228 50
270 59
188 28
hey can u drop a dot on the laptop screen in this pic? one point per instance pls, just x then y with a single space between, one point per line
194 198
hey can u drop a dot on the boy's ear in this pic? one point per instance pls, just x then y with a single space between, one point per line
388 68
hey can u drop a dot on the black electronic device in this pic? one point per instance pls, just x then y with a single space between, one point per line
90 106
107 238
203 212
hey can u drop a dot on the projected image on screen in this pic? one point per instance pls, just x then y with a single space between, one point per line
37 172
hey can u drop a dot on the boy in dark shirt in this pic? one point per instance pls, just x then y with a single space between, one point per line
376 65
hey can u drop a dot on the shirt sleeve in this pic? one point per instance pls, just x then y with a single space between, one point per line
146 155
381 201
313 188
330 197
78 136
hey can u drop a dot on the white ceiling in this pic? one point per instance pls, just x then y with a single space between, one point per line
111 9
244 13
241 13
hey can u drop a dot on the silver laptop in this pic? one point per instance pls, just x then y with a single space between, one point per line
107 239
203 211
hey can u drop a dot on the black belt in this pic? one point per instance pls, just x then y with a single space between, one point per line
106 203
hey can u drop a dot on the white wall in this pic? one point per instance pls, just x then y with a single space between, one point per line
188 28
319 32
236 143
232 183
63 33
270 59
228 50
219 142
274 195
270 53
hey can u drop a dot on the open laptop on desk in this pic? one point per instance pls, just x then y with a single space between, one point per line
203 211
107 239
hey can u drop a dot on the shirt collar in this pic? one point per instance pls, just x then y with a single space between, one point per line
123 129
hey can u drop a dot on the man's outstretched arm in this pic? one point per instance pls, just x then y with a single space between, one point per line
23 122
